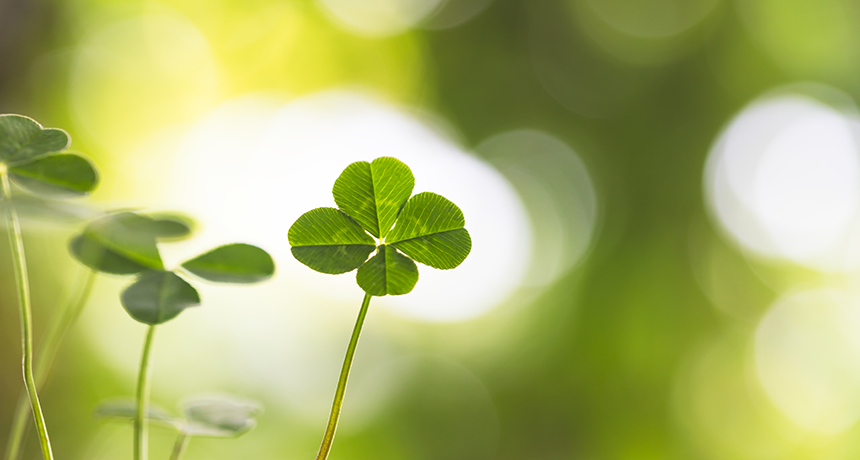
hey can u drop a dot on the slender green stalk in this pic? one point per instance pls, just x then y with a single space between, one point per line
328 439
60 326
142 398
16 241
179 446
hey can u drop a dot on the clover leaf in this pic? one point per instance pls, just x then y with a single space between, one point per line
34 158
126 243
211 416
219 416
126 409
375 212
233 263
158 296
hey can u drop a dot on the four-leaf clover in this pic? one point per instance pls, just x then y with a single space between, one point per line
375 213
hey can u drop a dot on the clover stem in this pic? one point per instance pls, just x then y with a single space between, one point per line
16 241
142 397
57 330
179 446
328 439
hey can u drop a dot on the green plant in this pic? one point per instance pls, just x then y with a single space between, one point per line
215 416
125 243
172 227
34 159
376 213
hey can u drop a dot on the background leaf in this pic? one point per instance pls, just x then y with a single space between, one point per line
430 230
126 409
64 174
92 253
129 235
373 193
329 241
233 263
171 226
22 139
387 273
220 416
157 297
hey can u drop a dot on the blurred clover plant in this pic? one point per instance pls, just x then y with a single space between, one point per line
35 159
169 227
125 243
377 212
216 416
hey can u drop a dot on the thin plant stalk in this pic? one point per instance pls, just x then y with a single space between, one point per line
328 439
142 397
16 241
179 446
47 352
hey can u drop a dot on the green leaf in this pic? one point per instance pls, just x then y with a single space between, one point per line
329 241
128 235
373 193
233 263
93 254
430 230
388 272
63 174
171 226
220 416
126 409
23 140
157 297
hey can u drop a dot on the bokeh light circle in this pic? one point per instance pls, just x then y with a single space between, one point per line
453 13
559 196
784 180
149 71
651 18
379 17
807 352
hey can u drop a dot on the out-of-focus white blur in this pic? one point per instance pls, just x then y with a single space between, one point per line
247 171
783 180
250 179
151 71
807 356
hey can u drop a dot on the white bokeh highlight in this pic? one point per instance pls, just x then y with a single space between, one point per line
256 186
783 180
246 172
807 358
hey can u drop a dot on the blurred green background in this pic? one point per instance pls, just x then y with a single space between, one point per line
627 298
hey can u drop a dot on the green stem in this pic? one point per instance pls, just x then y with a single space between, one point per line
142 397
179 446
328 439
16 241
48 349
